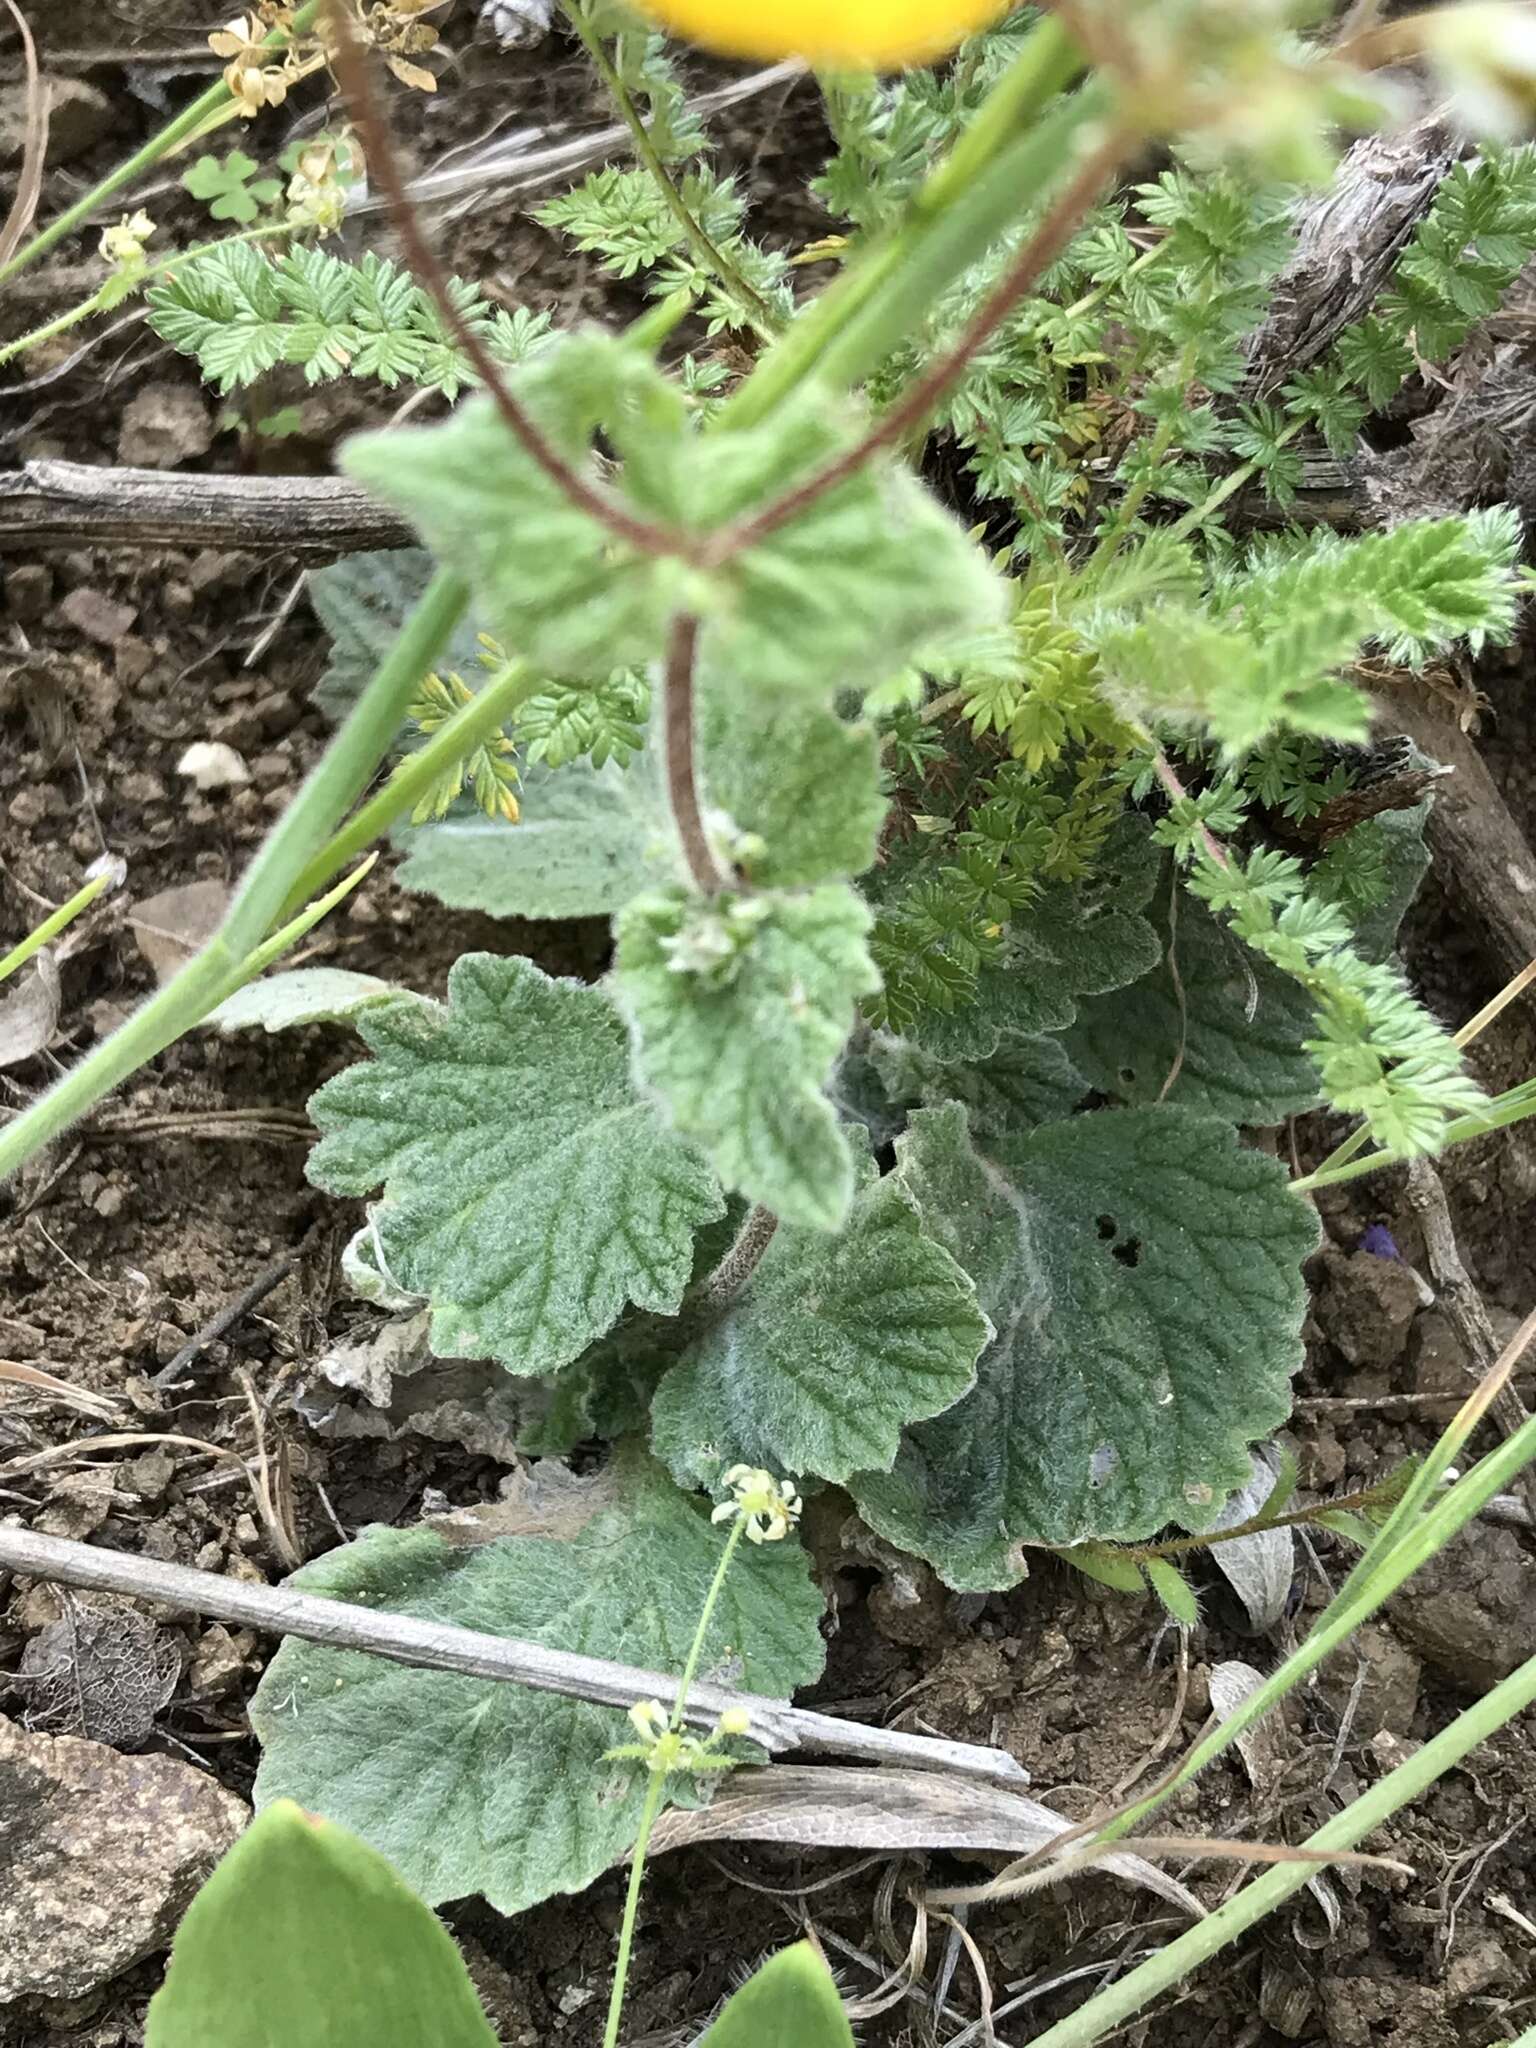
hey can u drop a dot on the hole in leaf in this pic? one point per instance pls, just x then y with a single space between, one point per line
1107 1228
1127 1074
1102 1464
1128 1251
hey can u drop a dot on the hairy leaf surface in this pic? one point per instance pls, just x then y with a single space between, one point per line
1225 1035
740 1006
1075 940
1027 1081
304 995
831 1348
792 774
530 1191
791 2002
587 840
1143 1275
837 597
473 1786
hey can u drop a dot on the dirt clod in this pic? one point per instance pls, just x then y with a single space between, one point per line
1367 1304
165 424
1470 1613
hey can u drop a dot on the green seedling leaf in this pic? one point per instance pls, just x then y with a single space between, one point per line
740 1006
530 1191
470 1786
1142 1271
839 597
305 995
1107 1567
306 1936
831 1348
1174 1591
791 2002
226 187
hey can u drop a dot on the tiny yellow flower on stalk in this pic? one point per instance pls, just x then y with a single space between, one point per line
853 34
769 1507
123 245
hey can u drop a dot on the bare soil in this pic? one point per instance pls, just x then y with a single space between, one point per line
167 1203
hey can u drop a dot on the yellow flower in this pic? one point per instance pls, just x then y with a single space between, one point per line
123 246
856 34
769 1507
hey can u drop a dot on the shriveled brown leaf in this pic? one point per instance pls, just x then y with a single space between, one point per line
889 1809
29 1012
177 923
29 181
39 1382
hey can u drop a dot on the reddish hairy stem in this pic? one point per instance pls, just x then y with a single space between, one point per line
913 410
379 151
678 732
1170 781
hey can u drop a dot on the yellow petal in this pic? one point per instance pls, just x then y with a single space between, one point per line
879 34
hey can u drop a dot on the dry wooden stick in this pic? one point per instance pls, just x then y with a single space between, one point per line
1458 1296
439 1646
74 504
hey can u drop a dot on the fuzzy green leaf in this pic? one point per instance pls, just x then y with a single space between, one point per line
304 995
839 597
1027 1081
588 839
740 1006
307 1936
1225 1037
530 1192
1143 1274
472 1786
1174 1592
791 774
363 601
832 1347
791 2002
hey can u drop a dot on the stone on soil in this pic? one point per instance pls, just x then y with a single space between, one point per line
100 1855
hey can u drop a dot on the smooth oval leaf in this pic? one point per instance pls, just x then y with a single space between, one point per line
791 2002
1143 1273
530 1191
306 1936
471 1786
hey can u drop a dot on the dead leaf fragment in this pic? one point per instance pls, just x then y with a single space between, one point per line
177 923
29 1013
835 1808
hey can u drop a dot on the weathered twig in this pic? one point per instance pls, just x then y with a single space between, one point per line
1458 1296
437 1646
75 504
